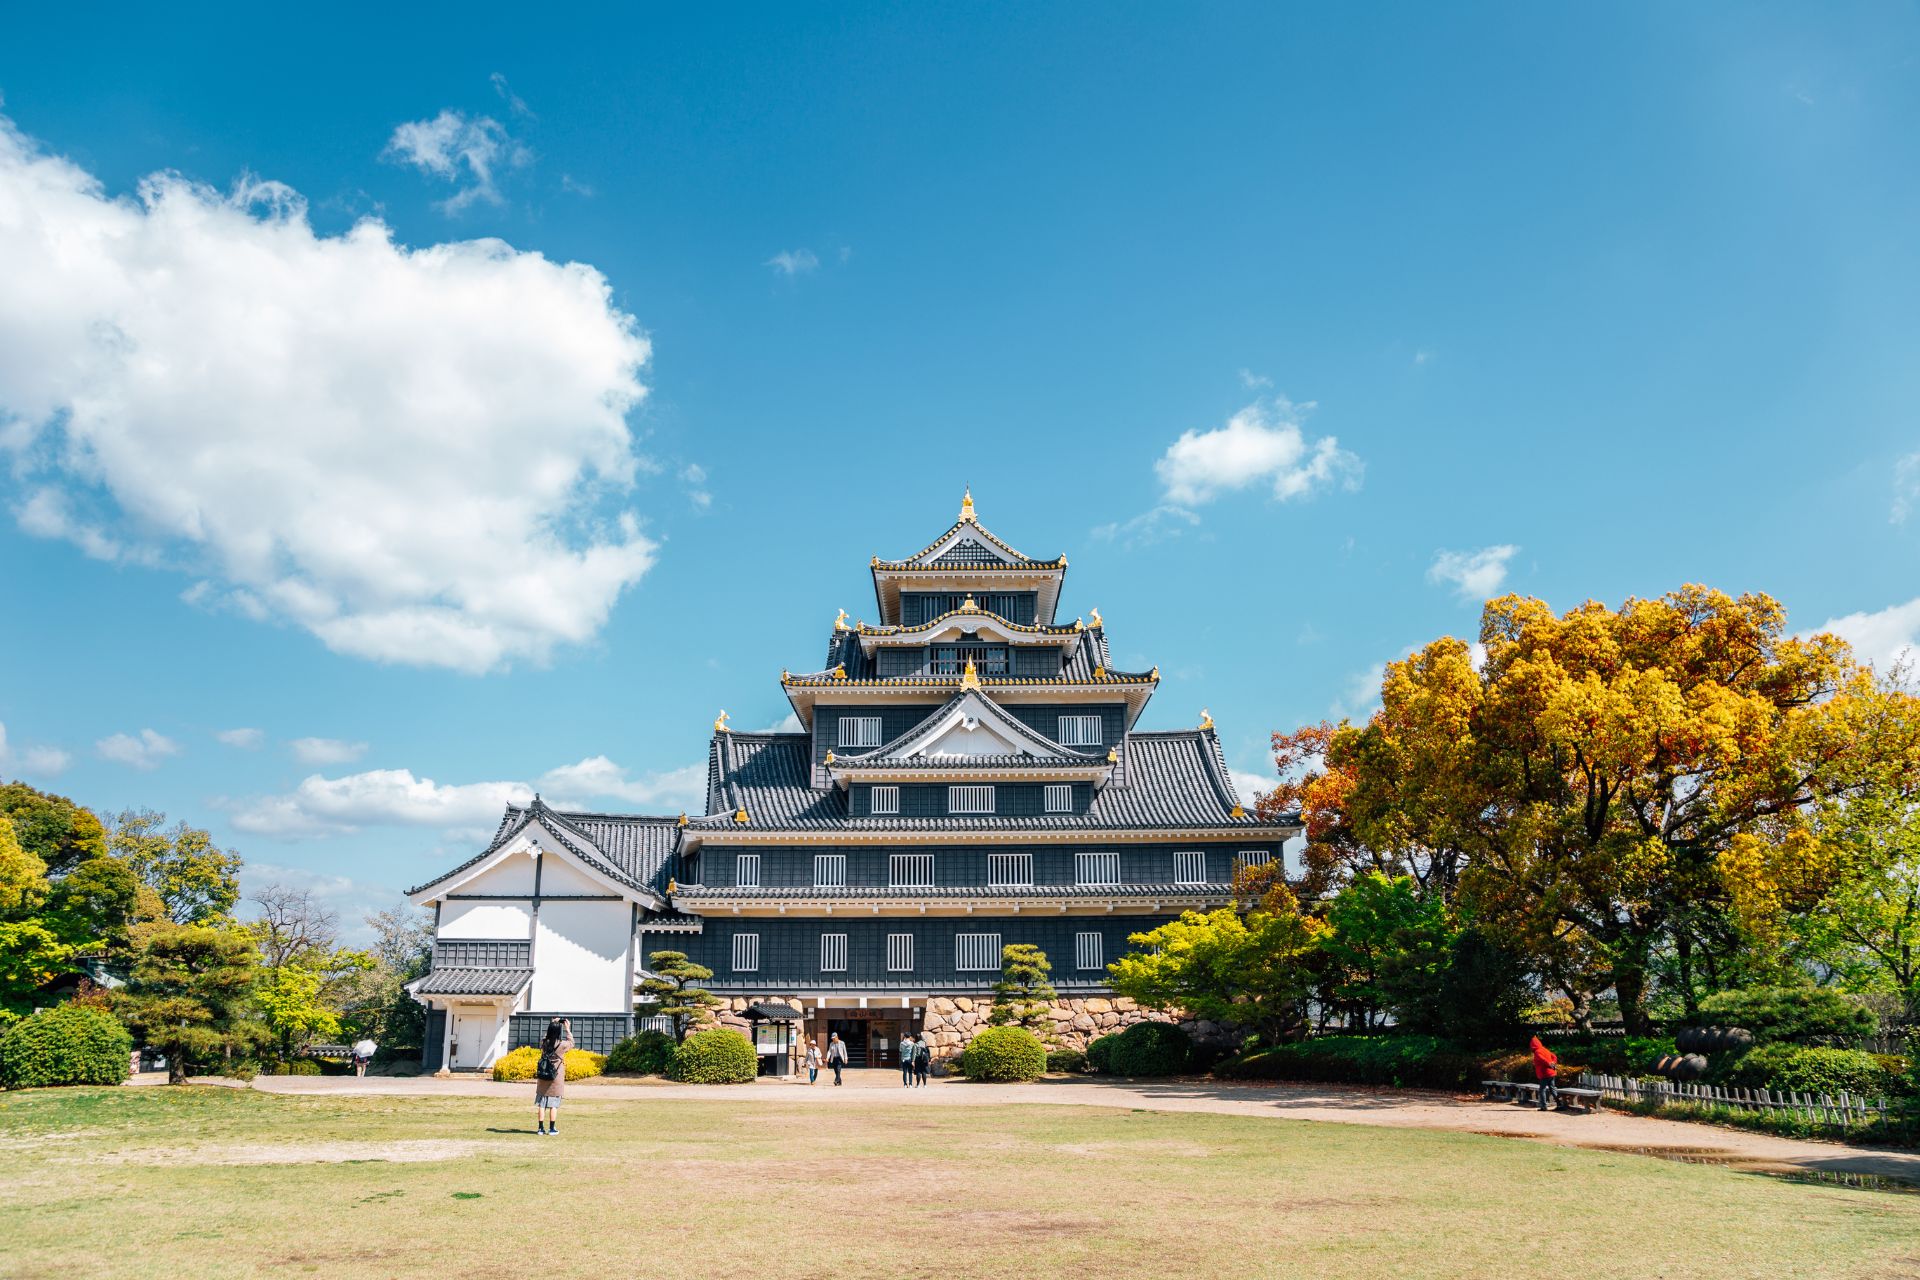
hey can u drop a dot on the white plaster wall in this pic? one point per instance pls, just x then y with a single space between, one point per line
561 875
460 919
580 958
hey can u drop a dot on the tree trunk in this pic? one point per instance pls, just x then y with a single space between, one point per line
176 1066
1630 986
1683 952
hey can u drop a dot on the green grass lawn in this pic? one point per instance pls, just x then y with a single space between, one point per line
218 1182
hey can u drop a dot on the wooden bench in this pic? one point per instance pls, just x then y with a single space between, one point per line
1517 1091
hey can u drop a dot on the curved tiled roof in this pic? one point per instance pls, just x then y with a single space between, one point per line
1170 892
472 982
632 849
918 560
1009 724
930 623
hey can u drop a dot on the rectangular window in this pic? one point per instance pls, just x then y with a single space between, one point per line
746 870
1009 870
859 731
899 953
969 799
1079 731
829 870
1251 858
910 871
952 659
1096 868
746 952
833 953
976 951
1190 868
886 799
1088 951
1059 798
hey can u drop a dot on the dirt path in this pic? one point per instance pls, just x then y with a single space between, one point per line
1335 1104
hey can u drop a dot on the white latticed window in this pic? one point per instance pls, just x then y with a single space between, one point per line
976 951
1190 868
1009 870
899 953
886 799
970 799
910 871
829 870
746 870
1088 953
1096 868
859 731
1251 858
1059 798
746 952
1079 731
833 953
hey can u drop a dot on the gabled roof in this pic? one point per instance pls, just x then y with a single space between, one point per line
630 849
967 551
471 982
970 711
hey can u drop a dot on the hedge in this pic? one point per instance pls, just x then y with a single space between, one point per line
582 1064
1066 1061
69 1044
1788 1013
1004 1053
715 1056
1385 1059
1100 1052
1151 1049
1806 1069
648 1053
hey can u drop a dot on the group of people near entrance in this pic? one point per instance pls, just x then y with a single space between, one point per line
916 1059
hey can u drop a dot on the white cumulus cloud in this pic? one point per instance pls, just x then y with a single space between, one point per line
321 806
418 455
1262 444
326 750
469 151
144 750
37 762
1475 575
1888 639
244 739
597 777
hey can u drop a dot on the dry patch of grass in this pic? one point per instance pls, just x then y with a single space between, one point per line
205 1182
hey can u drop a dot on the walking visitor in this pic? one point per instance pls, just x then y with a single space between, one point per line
907 1051
363 1051
813 1063
922 1061
836 1055
550 1077
1545 1068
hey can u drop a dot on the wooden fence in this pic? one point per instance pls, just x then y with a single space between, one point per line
1844 1110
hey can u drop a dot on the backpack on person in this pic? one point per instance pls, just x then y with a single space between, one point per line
549 1066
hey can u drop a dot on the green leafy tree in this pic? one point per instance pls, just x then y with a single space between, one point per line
31 955
671 988
52 828
190 994
1256 969
1866 930
23 876
1024 994
94 905
197 881
292 998
1387 945
374 1002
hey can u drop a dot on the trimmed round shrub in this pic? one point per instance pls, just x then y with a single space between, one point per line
1152 1049
1788 1013
1066 1061
1100 1052
1799 1068
70 1044
524 1061
715 1056
1005 1053
648 1053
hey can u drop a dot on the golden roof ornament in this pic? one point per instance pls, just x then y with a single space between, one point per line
968 606
1079 624
739 815
1238 812
1113 755
1154 675
840 623
1206 718
673 886
683 817
966 505
1099 673
969 679
840 671
1096 618
720 723
829 759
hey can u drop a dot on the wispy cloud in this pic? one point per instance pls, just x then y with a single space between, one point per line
1262 444
36 761
469 151
1906 487
1254 381
515 103
694 477
244 739
325 751
1475 575
1157 525
794 262
144 751
1422 356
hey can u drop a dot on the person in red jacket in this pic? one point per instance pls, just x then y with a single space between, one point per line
1545 1069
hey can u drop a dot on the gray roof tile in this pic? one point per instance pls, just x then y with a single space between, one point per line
472 982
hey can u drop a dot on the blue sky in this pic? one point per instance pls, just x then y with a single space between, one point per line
1296 333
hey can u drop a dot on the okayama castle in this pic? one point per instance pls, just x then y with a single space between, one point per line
966 775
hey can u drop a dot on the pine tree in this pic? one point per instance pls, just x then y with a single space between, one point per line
669 991
1024 993
190 995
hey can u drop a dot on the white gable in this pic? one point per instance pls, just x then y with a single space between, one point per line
973 726
509 869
